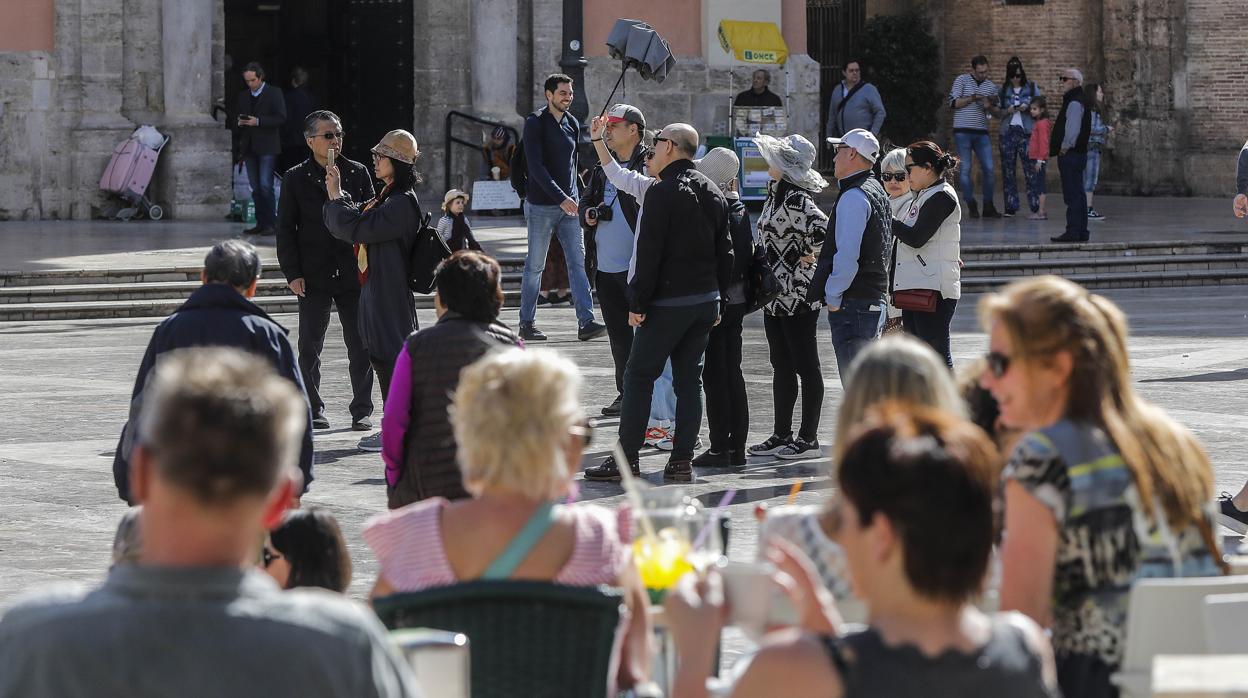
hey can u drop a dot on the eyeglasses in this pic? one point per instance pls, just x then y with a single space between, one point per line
267 556
585 430
331 136
893 177
1064 78
998 363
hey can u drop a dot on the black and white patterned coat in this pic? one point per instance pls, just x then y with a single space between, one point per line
790 228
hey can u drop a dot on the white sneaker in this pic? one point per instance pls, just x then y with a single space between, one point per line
670 443
656 434
773 444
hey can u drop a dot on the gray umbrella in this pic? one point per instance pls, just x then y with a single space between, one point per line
638 45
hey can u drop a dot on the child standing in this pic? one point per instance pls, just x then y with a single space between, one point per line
1038 152
1096 141
453 226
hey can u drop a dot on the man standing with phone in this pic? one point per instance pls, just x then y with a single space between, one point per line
320 269
972 97
261 111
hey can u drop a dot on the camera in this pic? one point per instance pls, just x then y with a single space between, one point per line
599 213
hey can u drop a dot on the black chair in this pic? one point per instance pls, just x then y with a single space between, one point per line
532 639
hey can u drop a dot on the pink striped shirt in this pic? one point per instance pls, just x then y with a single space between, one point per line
411 552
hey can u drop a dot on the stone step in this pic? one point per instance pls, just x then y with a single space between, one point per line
1105 265
84 310
1094 250
1132 279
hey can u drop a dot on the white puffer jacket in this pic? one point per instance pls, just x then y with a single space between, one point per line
935 264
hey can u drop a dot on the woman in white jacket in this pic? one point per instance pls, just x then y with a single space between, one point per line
927 278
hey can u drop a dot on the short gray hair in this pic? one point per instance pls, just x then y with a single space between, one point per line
233 262
894 161
310 122
684 137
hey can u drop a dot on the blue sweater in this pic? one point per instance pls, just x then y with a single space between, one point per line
550 154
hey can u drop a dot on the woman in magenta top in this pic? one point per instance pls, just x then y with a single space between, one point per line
521 434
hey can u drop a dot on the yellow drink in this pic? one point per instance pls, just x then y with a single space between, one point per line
661 559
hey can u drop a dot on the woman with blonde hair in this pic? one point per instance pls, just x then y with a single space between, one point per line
1103 489
521 434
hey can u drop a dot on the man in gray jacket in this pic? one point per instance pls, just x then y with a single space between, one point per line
855 104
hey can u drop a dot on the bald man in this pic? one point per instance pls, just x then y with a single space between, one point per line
680 280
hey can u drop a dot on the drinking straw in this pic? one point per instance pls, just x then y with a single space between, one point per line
630 489
797 487
713 519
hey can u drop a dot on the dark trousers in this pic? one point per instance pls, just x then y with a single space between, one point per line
794 353
1014 152
1071 167
385 371
613 299
260 176
314 309
679 333
933 327
727 408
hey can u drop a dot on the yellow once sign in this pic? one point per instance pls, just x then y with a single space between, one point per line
753 42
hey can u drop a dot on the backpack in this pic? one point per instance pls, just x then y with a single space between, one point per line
519 174
427 252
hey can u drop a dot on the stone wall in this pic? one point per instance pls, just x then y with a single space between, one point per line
1216 82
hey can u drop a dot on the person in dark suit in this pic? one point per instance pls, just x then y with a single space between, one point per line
261 111
321 270
299 103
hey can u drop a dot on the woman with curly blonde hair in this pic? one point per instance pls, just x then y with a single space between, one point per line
1103 489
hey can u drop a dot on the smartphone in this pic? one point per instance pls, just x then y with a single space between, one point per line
330 155
243 116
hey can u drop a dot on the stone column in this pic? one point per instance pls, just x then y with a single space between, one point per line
193 177
494 60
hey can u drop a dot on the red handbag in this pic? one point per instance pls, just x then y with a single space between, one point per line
922 300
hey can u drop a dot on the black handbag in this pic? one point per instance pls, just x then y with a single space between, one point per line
428 251
761 284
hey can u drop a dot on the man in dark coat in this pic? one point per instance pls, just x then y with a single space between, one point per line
261 111
217 314
320 269
418 444
759 94
300 102
1068 142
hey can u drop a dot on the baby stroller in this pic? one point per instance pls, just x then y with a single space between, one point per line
129 173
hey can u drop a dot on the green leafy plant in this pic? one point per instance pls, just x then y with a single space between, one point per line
903 62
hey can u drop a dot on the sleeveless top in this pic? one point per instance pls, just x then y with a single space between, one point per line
1004 666
412 555
935 264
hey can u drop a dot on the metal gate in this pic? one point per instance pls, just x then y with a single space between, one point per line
374 72
832 28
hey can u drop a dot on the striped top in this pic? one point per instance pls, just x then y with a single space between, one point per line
412 555
972 117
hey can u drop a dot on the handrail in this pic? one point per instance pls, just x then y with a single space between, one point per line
449 139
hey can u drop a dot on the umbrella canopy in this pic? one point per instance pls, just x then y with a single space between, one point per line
638 45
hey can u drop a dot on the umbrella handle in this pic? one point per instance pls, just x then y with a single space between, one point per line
613 89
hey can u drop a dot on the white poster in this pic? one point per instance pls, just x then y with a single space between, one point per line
488 194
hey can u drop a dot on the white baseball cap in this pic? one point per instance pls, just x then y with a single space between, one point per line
862 141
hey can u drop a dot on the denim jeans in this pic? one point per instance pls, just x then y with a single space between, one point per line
854 325
933 327
1013 151
663 401
1092 172
543 223
260 176
1071 166
979 144
680 334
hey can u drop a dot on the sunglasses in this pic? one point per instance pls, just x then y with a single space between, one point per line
1063 78
584 430
331 136
267 556
661 139
893 177
997 362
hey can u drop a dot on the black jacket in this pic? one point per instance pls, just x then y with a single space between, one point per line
438 354
1059 126
270 109
766 99
871 281
214 315
683 247
742 232
387 309
595 189
305 248
299 103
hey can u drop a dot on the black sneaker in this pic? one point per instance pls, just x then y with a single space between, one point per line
530 333
1094 215
543 300
1231 517
990 211
320 422
678 471
799 449
973 208
711 459
607 471
1009 214
591 330
1067 237
614 409
772 445
362 424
